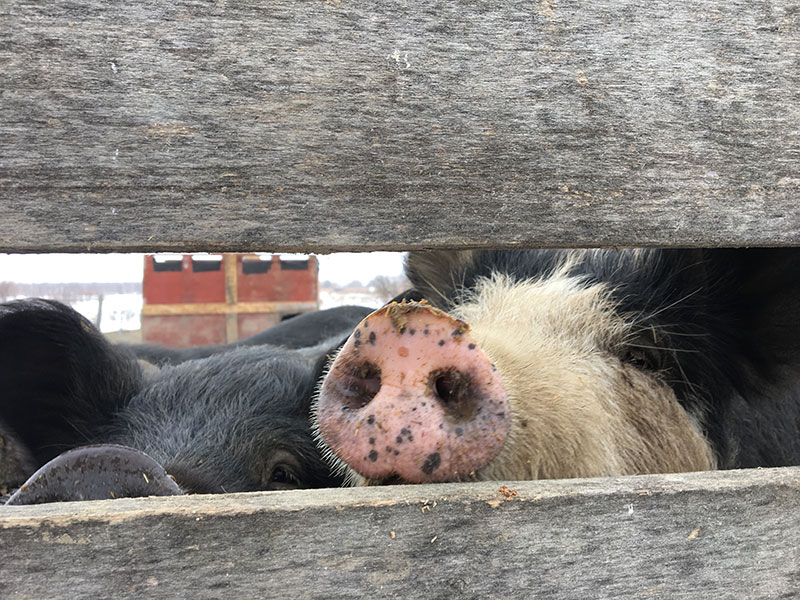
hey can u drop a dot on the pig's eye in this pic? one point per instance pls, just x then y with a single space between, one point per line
282 478
280 471
646 359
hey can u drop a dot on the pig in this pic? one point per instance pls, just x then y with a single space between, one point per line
80 409
300 331
529 364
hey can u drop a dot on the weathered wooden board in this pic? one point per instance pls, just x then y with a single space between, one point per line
336 125
726 535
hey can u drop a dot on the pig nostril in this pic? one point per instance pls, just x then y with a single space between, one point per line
445 388
456 391
358 384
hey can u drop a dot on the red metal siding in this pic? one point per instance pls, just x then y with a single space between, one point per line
278 283
184 331
253 323
186 285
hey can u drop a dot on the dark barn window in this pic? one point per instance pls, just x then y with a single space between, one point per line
167 265
252 266
294 265
201 265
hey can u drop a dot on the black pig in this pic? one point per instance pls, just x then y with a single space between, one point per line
235 421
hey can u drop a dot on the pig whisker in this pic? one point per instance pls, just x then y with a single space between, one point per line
661 328
686 380
662 309
80 431
679 334
687 350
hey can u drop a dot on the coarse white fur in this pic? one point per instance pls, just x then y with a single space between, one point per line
577 409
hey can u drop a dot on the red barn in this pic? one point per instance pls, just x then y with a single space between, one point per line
197 300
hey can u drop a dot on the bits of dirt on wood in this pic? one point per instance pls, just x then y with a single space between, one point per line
507 493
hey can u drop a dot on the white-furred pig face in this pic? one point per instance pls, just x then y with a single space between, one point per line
578 409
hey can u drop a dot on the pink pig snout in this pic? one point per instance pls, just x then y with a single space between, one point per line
411 396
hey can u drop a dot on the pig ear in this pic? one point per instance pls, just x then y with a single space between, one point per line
437 276
59 378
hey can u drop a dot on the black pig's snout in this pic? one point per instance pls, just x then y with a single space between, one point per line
96 473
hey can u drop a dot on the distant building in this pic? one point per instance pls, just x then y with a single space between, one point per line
195 300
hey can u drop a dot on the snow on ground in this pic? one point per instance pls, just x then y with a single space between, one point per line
333 299
120 312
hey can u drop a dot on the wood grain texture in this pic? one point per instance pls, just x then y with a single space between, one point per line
290 126
727 535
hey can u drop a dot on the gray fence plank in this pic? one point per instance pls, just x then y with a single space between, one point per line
264 125
726 535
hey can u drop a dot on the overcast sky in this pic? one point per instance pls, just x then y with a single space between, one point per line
62 268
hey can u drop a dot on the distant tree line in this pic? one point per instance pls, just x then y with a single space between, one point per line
382 287
66 292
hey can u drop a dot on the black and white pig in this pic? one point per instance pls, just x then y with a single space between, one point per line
548 364
237 420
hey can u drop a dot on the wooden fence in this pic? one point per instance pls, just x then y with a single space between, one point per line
724 535
257 125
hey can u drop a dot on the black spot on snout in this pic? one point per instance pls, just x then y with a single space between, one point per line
432 462
404 432
373 455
